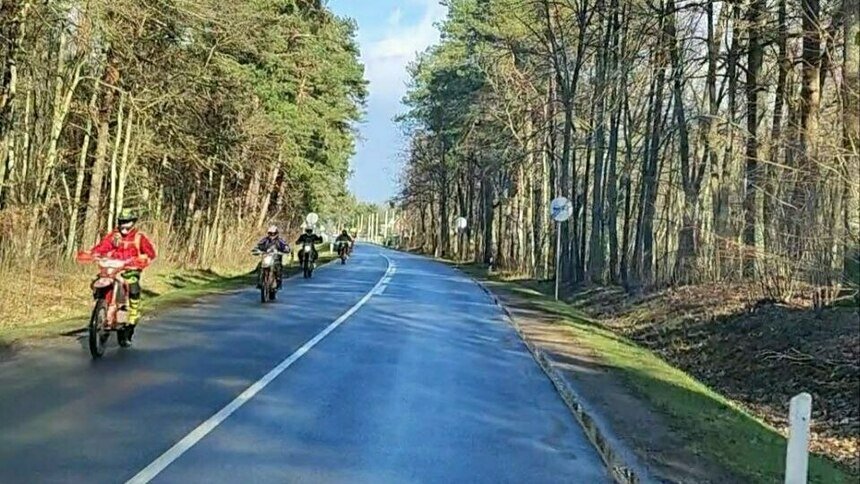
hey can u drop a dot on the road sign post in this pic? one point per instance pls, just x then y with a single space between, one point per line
461 223
560 209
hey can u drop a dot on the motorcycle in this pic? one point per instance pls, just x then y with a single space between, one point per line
344 250
111 292
306 254
268 281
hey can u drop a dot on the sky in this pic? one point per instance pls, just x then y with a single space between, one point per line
390 33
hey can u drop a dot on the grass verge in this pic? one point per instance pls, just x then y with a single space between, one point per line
161 291
709 424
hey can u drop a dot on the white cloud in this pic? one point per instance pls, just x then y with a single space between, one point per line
386 57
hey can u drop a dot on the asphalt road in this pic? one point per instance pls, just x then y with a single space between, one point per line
419 379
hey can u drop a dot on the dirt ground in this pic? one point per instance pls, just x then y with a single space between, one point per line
759 355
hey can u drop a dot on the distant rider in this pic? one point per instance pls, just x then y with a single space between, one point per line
309 237
125 242
344 239
273 240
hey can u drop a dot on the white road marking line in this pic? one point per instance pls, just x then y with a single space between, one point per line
158 465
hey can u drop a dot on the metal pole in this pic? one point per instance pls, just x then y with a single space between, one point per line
557 257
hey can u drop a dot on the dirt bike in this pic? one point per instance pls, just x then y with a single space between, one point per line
344 250
111 292
306 256
268 281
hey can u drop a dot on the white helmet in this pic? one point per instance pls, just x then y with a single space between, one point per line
273 230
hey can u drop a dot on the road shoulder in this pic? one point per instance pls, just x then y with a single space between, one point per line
638 442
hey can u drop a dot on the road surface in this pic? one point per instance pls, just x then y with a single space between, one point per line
392 368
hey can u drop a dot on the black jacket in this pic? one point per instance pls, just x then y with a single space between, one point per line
309 238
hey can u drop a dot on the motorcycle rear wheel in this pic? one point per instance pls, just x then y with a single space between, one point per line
98 335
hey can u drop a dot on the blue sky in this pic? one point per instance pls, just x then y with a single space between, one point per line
391 33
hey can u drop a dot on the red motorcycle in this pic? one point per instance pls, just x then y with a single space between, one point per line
110 291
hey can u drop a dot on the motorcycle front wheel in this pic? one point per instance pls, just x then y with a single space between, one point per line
98 335
272 285
265 286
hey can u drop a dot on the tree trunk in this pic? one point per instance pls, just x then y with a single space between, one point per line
489 212
596 260
755 53
110 78
12 17
114 174
619 54
643 258
771 184
804 199
61 105
851 138
723 170
124 162
267 197
74 212
691 172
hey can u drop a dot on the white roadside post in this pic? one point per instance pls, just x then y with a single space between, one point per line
461 223
797 454
560 209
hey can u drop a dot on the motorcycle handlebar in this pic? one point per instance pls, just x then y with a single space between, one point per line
257 252
90 258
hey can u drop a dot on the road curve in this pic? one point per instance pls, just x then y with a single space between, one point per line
425 382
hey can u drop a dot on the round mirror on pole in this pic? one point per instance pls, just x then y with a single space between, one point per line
560 210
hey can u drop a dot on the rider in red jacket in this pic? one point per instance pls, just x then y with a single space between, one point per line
127 243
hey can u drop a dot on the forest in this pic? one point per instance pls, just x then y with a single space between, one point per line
209 118
698 141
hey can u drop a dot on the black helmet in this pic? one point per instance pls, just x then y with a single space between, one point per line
344 232
309 230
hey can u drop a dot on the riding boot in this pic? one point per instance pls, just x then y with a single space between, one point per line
133 318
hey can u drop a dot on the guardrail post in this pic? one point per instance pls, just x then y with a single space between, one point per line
797 454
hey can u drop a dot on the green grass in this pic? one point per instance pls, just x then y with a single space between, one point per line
187 287
710 424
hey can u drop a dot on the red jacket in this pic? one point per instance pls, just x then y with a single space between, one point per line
133 245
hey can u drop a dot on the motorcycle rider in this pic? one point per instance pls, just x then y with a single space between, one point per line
126 242
309 237
273 240
344 238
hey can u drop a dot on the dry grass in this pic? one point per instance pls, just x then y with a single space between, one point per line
47 294
758 355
